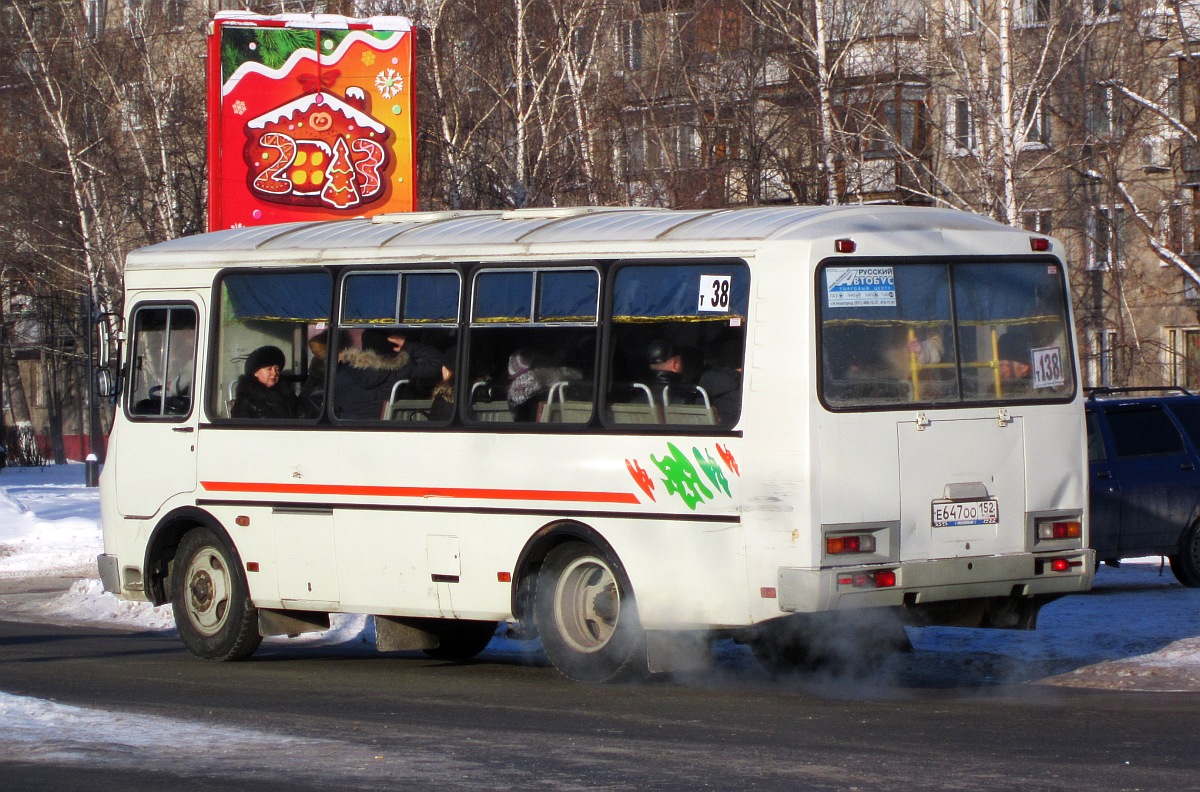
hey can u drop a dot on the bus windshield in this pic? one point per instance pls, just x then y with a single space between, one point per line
943 333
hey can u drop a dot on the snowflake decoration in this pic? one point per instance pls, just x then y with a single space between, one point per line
239 107
389 82
368 58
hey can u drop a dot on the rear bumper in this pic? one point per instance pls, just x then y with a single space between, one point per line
942 580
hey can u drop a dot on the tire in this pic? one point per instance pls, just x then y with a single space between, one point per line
842 644
211 600
586 616
1186 565
462 640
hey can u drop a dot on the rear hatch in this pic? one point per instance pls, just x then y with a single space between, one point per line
962 485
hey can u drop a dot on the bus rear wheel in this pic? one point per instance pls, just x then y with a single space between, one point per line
211 600
586 616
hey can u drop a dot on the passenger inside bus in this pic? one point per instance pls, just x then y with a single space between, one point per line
442 408
722 381
312 390
531 375
365 376
259 392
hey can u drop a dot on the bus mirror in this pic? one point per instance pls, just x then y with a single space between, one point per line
107 383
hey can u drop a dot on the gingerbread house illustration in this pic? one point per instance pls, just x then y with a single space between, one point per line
319 150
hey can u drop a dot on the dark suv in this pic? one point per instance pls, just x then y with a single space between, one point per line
1145 476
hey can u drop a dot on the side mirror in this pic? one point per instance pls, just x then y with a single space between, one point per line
107 383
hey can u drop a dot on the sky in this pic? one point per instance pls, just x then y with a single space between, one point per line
1138 629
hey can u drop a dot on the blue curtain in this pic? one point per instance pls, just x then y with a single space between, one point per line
672 291
290 297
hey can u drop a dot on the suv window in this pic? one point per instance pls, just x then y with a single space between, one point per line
1143 431
1188 413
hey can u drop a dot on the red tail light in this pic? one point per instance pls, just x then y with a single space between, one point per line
840 545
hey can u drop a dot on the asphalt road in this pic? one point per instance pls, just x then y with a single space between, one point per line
301 718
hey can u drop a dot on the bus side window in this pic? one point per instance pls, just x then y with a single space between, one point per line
678 337
163 361
267 313
398 330
533 346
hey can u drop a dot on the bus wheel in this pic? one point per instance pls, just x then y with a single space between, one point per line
211 601
461 639
1186 565
586 617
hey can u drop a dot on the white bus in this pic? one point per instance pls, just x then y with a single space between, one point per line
658 428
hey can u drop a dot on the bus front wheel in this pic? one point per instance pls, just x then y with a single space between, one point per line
211 600
586 616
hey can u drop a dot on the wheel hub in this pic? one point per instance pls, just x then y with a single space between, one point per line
606 605
202 591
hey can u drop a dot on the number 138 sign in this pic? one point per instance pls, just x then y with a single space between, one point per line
1048 367
714 293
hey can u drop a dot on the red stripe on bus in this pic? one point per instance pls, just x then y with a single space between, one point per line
419 492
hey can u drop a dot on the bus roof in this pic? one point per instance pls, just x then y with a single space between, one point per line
468 233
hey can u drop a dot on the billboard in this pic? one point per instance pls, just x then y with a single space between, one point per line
311 117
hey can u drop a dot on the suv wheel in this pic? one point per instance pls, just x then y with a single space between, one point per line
1186 565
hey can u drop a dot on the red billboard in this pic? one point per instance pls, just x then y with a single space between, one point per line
311 117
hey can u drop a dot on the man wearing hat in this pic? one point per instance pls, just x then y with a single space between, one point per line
258 393
666 363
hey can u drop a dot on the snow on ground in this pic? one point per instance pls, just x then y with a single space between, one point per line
1138 629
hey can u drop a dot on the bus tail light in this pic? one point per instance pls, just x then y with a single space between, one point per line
1064 564
845 245
1050 530
882 578
1039 244
854 543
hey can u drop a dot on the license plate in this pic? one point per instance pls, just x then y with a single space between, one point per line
984 511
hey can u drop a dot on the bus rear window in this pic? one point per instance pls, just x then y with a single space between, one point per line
944 333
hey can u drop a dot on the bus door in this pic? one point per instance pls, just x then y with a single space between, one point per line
155 446
962 485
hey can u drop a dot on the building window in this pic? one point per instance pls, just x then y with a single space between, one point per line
962 124
1104 8
1037 120
1104 112
1034 12
1183 363
1108 238
685 144
1174 229
1102 346
965 15
1039 221
629 42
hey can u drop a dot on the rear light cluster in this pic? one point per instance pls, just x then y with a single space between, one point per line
843 545
882 578
1059 564
1059 529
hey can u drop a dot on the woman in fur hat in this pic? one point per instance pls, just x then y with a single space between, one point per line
258 393
365 376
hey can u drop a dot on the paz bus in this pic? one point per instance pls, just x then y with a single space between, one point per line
645 429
